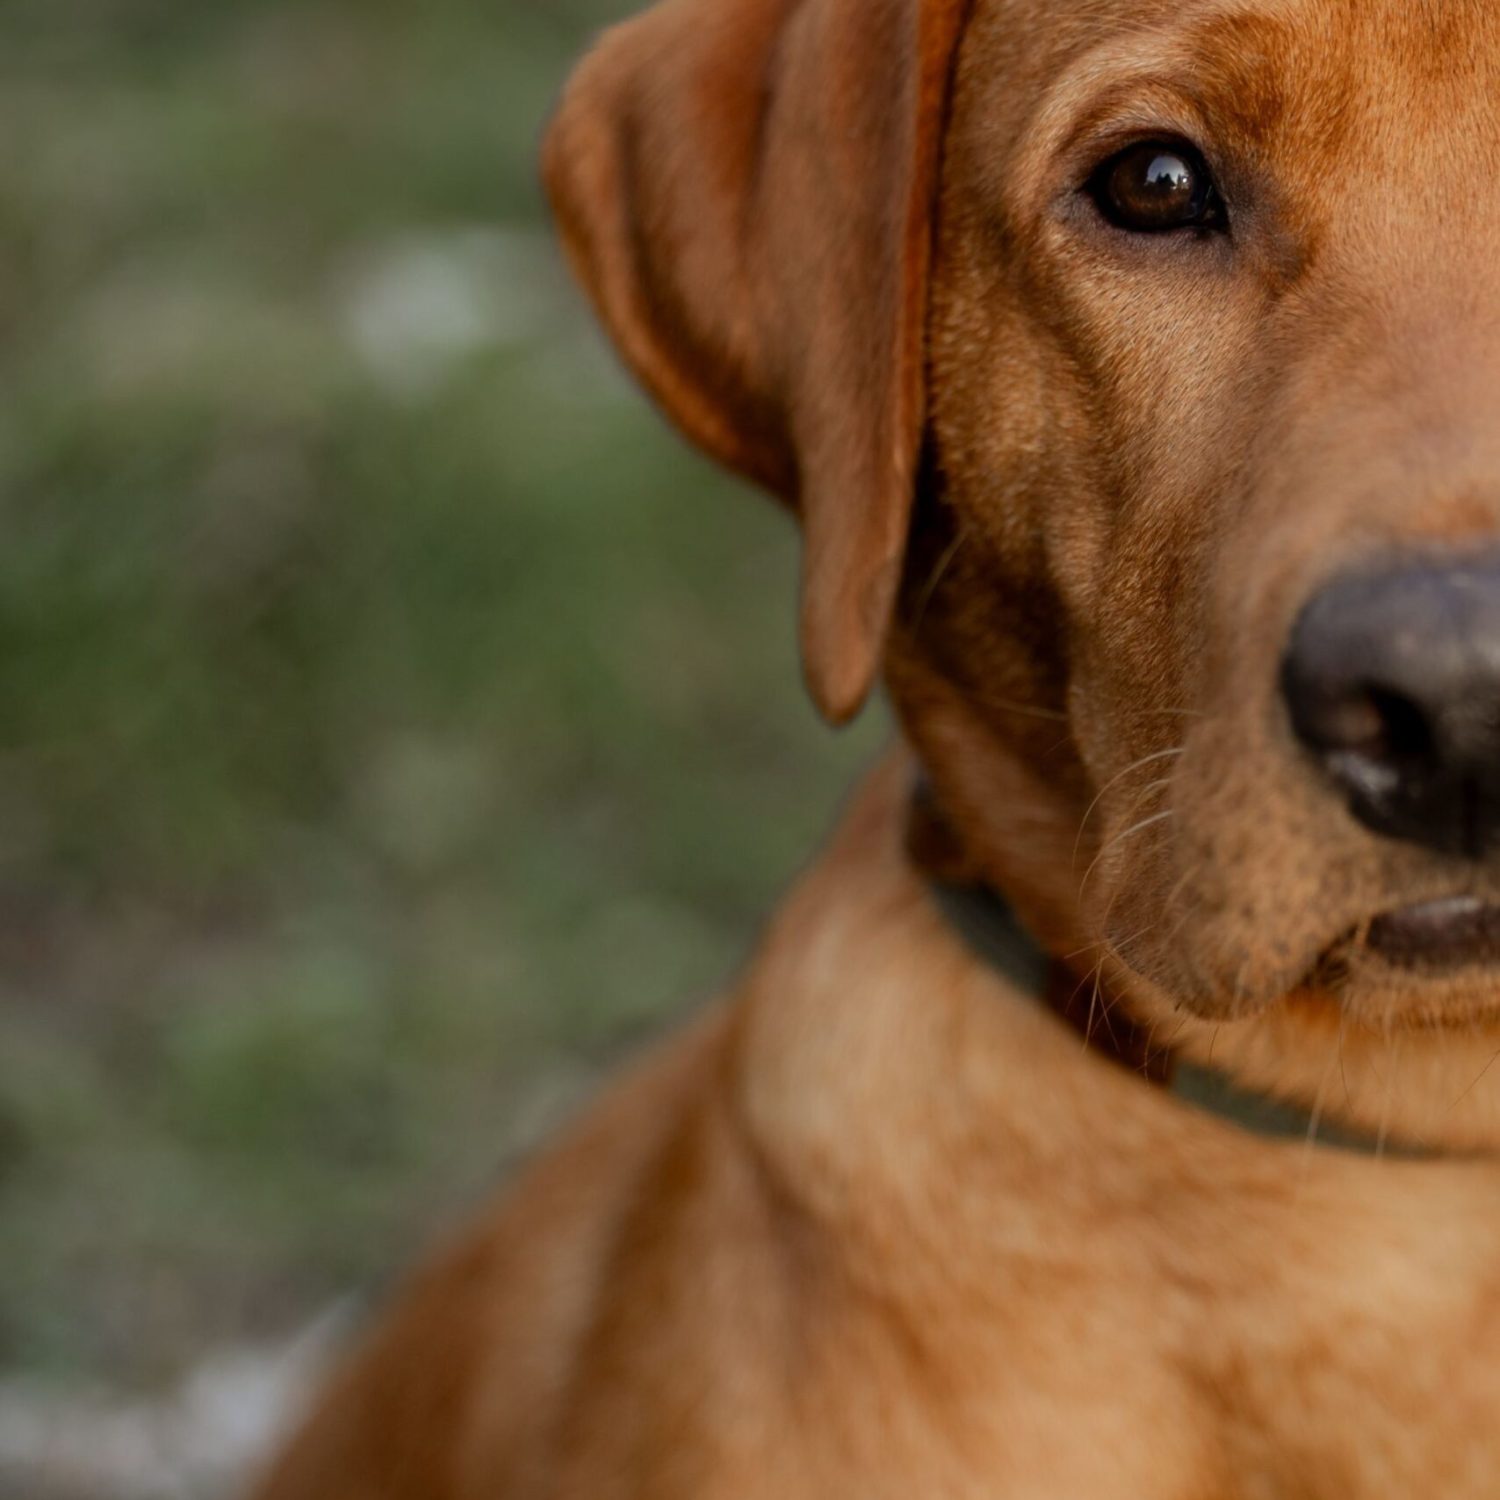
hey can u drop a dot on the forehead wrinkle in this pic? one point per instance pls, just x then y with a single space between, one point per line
1240 61
1312 67
1309 110
1236 69
1407 65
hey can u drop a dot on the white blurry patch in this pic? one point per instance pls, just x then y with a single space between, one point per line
201 1441
416 306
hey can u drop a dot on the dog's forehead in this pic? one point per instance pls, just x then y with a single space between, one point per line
1265 67
1417 65
1351 119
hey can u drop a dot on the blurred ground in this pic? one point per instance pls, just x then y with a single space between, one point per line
395 723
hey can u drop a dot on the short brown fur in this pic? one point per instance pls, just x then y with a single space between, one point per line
878 1224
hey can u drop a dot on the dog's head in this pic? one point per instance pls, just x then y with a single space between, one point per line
1134 370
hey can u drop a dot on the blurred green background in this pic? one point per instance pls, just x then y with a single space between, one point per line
396 722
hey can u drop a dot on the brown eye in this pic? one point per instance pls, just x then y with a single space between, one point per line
1153 187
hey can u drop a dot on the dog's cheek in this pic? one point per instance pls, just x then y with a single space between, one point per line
1234 875
1271 872
1256 902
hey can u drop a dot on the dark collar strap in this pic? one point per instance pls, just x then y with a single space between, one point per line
991 929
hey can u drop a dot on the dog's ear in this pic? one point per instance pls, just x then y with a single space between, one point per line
746 189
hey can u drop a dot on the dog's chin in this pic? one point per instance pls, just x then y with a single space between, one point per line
1431 965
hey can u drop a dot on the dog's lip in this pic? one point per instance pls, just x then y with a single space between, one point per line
1449 933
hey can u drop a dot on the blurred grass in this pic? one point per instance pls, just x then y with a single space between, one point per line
395 721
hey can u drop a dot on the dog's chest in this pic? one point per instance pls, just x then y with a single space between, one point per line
1199 1371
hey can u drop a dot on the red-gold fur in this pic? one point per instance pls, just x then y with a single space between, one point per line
878 1225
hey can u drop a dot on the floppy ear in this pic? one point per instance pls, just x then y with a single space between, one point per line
746 189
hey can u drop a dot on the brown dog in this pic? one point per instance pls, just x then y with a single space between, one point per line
1132 369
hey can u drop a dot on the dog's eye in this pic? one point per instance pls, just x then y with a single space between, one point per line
1156 186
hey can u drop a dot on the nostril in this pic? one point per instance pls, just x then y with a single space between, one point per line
1364 719
1403 731
1372 739
1354 722
1392 683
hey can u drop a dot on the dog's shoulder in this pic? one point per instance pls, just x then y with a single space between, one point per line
473 1367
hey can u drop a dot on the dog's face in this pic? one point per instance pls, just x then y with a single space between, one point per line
1216 320
1132 368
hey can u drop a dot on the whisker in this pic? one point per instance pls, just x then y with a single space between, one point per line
1115 945
1343 1075
1109 910
1316 1117
1087 948
1011 706
1088 1026
1173 897
930 588
1119 839
1238 990
1478 1079
1171 1043
1113 782
1393 1057
1166 1046
1238 993
1109 1005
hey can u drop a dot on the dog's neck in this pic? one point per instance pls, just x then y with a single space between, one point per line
1410 1091
992 930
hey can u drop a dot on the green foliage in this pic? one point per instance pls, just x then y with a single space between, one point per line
395 720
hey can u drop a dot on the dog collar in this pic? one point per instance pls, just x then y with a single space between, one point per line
992 930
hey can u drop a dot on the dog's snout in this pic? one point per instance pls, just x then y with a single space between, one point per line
1392 679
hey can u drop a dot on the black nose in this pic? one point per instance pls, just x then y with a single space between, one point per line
1393 681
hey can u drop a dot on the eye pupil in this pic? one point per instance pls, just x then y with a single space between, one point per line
1169 176
1151 188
